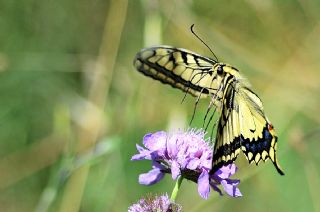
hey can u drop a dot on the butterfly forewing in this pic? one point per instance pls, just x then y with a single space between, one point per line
180 68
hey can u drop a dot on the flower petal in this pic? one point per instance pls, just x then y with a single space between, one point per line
230 186
139 157
193 164
143 154
155 141
152 177
157 165
175 170
172 146
226 171
216 188
140 148
206 160
203 185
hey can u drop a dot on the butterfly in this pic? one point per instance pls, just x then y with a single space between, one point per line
242 125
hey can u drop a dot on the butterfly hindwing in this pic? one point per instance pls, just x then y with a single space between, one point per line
243 126
227 146
259 141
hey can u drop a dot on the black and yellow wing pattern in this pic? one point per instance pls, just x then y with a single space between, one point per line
244 127
242 124
179 68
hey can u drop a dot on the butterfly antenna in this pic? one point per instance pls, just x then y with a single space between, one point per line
197 36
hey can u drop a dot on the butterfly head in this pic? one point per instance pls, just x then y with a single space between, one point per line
223 70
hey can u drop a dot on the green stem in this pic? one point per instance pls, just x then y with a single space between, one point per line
176 189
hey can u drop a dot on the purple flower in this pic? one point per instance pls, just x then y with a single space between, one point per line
221 176
157 203
185 154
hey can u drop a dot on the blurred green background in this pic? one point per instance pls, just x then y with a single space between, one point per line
73 107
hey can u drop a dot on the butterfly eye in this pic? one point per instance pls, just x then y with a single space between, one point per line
220 70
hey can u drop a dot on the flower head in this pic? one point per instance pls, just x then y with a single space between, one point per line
157 203
185 154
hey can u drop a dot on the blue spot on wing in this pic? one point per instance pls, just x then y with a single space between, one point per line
267 135
257 146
